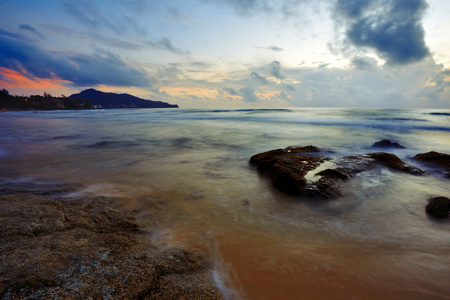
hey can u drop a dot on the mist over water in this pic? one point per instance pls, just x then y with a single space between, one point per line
374 242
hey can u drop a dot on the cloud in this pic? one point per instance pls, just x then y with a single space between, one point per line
80 69
120 20
166 44
248 94
273 48
259 78
390 27
231 91
243 7
176 14
322 66
118 42
275 70
30 29
364 63
438 83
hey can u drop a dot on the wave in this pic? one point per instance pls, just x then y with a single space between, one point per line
440 114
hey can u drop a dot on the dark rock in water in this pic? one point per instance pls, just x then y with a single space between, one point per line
387 144
439 160
334 173
305 149
393 162
289 169
438 207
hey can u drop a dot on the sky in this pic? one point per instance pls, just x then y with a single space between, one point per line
232 53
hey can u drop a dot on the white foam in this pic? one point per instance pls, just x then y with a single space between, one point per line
311 175
104 189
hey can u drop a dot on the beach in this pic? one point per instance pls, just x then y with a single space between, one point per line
163 186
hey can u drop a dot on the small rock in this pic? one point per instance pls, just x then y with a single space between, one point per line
435 159
387 144
438 207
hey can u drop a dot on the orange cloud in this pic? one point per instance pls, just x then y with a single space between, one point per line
267 94
18 82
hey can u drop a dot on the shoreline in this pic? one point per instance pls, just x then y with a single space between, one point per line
55 245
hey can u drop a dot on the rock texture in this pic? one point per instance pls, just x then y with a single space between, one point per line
438 207
303 171
387 144
437 160
55 247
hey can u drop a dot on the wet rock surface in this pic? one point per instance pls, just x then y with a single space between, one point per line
438 207
387 144
302 171
90 247
437 160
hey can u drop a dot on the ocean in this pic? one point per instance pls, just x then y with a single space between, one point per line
374 242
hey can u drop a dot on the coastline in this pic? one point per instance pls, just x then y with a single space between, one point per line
53 244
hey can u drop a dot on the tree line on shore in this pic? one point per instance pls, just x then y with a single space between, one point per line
38 102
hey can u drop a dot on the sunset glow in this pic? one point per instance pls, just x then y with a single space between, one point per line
232 53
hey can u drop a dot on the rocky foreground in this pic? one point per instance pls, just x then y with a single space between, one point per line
56 247
307 171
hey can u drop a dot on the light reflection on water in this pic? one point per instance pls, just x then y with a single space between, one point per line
375 242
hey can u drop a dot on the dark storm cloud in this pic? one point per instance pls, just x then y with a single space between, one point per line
30 29
81 70
392 28
275 70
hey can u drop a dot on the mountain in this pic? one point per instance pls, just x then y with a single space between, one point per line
112 100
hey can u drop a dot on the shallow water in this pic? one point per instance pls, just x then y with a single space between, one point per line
376 242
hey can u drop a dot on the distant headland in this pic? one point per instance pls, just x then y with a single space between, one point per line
87 99
112 100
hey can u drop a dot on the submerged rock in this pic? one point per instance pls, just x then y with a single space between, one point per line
438 160
438 207
302 171
387 144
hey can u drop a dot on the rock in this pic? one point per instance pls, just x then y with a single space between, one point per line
289 169
387 144
438 207
334 173
393 162
438 160
54 247
287 176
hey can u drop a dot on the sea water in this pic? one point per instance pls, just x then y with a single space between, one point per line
374 242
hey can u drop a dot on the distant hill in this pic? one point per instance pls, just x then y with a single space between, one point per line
112 100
